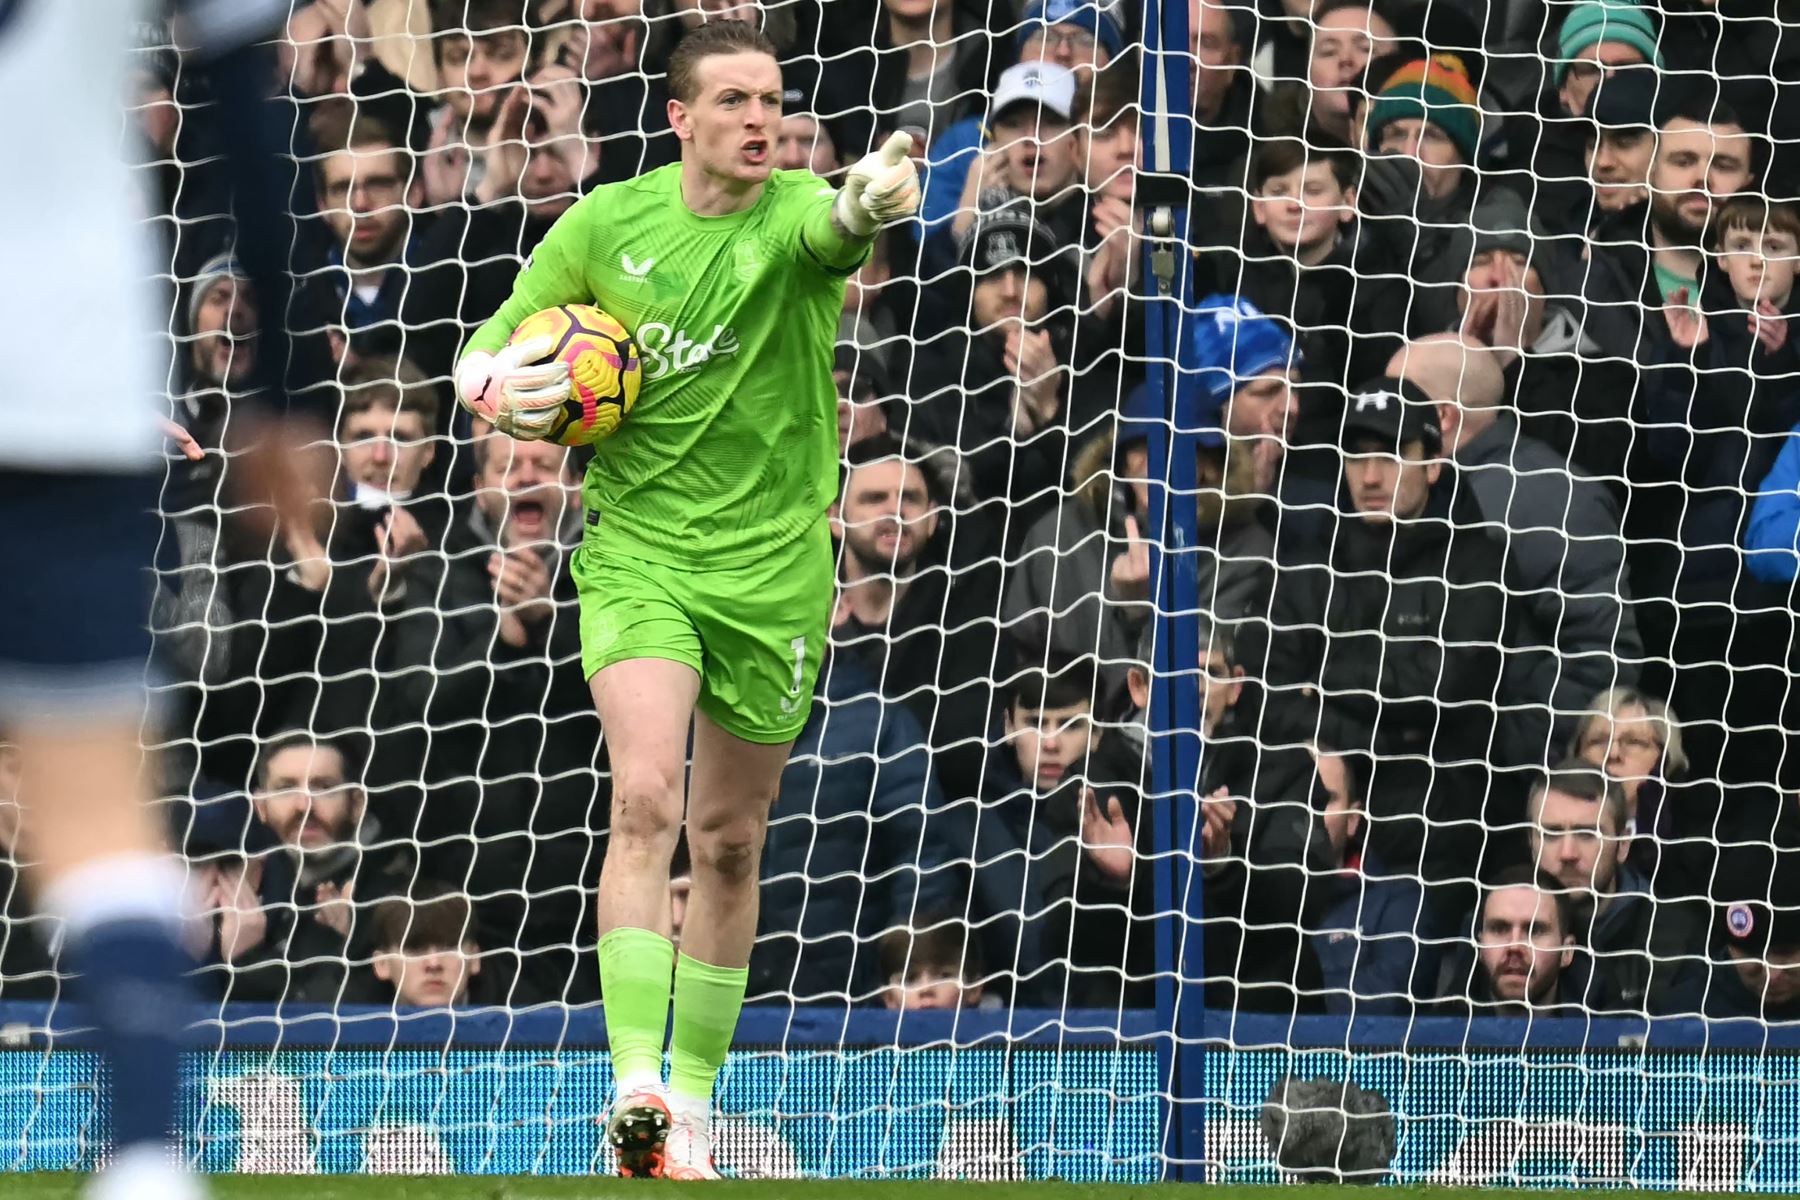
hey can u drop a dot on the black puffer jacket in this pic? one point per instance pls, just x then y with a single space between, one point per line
1386 640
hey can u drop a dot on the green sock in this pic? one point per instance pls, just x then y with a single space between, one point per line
635 966
707 1002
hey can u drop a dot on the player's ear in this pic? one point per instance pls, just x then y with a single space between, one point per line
678 121
835 514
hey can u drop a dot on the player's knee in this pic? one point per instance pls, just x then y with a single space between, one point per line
729 854
646 806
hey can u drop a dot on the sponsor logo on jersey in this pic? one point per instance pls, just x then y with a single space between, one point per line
669 351
635 272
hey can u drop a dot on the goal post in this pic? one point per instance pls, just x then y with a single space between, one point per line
1174 715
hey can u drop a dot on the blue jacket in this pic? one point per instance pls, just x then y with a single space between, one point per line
1773 535
1376 943
849 854
950 157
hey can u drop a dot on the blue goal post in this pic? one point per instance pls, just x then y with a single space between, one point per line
1174 719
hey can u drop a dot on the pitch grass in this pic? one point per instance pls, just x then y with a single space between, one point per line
315 1187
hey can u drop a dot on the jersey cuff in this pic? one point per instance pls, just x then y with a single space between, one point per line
830 269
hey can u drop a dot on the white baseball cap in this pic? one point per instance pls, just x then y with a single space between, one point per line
1041 83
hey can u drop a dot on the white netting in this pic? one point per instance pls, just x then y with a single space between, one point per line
1566 544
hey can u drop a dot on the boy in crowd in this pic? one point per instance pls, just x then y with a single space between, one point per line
937 966
1756 243
426 951
1303 199
1297 263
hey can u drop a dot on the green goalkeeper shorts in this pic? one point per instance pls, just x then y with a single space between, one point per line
755 634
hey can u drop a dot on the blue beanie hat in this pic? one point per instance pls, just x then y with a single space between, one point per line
1041 14
1233 342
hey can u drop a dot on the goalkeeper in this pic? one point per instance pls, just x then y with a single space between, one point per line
705 574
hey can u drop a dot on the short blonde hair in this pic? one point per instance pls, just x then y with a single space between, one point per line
1607 706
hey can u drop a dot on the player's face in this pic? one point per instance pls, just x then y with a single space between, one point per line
362 196
305 798
805 145
433 978
385 449
1049 741
523 488
887 515
734 123
1521 943
1577 843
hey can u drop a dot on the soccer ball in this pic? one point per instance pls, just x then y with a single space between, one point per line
604 369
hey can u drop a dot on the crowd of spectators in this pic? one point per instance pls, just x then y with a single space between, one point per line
1496 421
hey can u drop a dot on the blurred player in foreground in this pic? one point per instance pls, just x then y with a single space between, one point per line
79 478
706 571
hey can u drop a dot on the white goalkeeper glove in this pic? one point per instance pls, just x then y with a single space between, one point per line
518 396
879 188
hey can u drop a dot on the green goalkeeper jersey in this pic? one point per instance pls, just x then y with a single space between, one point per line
731 449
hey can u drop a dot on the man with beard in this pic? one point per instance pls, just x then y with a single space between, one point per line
305 795
1639 944
366 189
1521 956
1647 256
503 788
927 635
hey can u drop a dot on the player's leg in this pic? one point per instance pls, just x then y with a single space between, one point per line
764 631
72 660
642 658
646 706
734 784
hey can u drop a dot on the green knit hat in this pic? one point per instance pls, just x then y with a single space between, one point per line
1437 91
1598 21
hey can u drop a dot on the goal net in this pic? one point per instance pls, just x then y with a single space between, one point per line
1308 691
